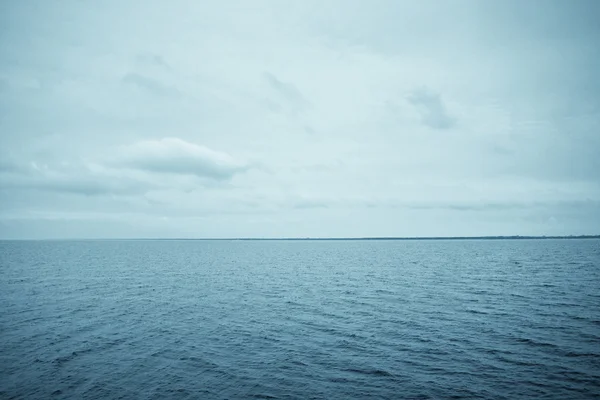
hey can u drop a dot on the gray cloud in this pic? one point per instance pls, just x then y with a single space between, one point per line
463 206
502 206
85 185
76 179
176 156
151 85
287 93
432 109
154 60
8 165
129 170
308 204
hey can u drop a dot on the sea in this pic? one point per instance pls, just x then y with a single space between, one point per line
305 319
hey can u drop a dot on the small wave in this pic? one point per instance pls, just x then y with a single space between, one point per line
383 291
471 311
338 379
346 344
576 354
519 296
535 342
373 372
64 359
517 362
262 396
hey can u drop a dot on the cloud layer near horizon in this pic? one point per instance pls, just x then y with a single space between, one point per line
330 118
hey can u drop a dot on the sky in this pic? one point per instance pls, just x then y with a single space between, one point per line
302 118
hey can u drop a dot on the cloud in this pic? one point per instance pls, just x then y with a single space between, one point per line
9 165
432 109
464 205
308 204
134 170
176 156
291 96
88 185
154 60
80 179
150 85
469 206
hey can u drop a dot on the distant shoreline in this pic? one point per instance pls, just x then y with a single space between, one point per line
422 238
415 238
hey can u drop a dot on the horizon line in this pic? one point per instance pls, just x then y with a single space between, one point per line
308 238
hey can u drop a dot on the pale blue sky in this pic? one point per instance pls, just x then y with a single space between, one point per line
299 118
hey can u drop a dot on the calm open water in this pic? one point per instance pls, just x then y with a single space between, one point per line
300 319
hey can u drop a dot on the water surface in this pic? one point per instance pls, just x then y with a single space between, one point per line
501 319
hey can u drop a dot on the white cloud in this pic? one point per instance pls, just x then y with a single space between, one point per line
176 156
74 178
129 170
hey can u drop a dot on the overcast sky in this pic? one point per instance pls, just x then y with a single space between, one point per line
299 118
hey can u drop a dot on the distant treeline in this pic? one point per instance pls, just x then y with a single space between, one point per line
516 237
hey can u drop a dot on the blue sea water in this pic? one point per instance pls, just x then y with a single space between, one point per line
494 319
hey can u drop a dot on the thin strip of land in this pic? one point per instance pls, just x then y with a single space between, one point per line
516 237
429 238
389 238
